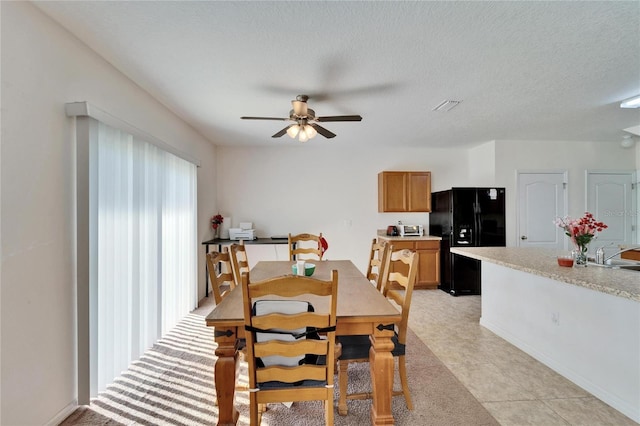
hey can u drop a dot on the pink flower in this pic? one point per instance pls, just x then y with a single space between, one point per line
581 231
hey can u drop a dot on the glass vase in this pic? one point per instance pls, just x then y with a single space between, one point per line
580 255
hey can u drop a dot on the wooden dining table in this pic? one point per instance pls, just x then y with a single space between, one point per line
361 310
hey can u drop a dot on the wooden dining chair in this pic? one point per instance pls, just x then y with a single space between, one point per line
239 261
305 246
220 273
356 348
222 282
288 361
378 261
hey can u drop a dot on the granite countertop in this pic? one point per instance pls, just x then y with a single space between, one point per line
617 282
382 233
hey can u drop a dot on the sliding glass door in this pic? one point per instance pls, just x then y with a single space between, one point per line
142 232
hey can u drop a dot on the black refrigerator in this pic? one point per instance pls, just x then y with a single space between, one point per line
466 217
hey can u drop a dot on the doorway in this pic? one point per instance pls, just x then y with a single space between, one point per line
611 197
542 196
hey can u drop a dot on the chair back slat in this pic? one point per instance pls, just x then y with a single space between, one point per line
285 321
278 347
292 286
292 374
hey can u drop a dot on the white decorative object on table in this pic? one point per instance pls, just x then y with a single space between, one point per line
224 229
300 266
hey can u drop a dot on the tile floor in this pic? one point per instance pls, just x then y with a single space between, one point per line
515 388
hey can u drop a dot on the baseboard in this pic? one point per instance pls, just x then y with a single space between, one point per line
63 414
622 406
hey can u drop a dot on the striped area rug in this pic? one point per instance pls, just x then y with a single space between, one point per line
172 384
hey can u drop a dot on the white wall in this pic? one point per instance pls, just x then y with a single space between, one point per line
576 157
263 185
43 67
482 165
342 185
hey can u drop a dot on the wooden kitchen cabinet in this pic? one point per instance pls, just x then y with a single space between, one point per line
631 255
404 192
428 276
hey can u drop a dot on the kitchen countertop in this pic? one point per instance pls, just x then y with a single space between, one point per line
382 233
617 282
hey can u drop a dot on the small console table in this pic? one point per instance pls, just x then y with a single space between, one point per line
225 242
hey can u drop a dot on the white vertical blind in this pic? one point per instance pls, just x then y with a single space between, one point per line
178 252
145 255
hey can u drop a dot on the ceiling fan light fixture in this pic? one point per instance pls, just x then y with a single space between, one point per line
302 136
631 102
293 130
310 131
627 141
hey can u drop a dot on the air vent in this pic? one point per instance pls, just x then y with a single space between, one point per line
446 105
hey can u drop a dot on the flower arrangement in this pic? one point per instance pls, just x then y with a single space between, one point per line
215 221
581 231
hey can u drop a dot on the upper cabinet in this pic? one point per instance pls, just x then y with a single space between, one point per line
404 192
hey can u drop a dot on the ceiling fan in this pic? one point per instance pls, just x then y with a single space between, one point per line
305 124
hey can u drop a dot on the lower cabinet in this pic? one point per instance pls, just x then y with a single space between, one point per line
428 276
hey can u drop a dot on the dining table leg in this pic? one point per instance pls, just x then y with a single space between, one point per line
381 365
225 371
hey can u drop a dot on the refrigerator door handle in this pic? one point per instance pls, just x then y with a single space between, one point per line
476 226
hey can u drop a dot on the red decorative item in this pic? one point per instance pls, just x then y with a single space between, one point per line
216 220
323 245
565 261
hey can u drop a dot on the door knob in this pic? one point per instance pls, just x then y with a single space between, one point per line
524 237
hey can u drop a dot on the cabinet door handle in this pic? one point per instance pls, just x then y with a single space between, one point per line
524 237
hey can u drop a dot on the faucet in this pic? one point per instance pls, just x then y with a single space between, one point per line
599 259
606 259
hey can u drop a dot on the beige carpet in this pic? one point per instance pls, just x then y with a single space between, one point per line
172 384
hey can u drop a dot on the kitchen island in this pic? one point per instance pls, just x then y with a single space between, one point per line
583 322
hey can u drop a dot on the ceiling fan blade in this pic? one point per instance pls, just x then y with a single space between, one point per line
282 132
339 118
265 118
324 132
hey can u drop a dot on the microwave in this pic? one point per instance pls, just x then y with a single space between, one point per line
410 230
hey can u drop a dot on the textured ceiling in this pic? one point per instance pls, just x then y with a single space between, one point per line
523 70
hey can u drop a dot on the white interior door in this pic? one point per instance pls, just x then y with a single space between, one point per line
611 199
542 196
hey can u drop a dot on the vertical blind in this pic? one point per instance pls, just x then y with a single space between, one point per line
143 256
